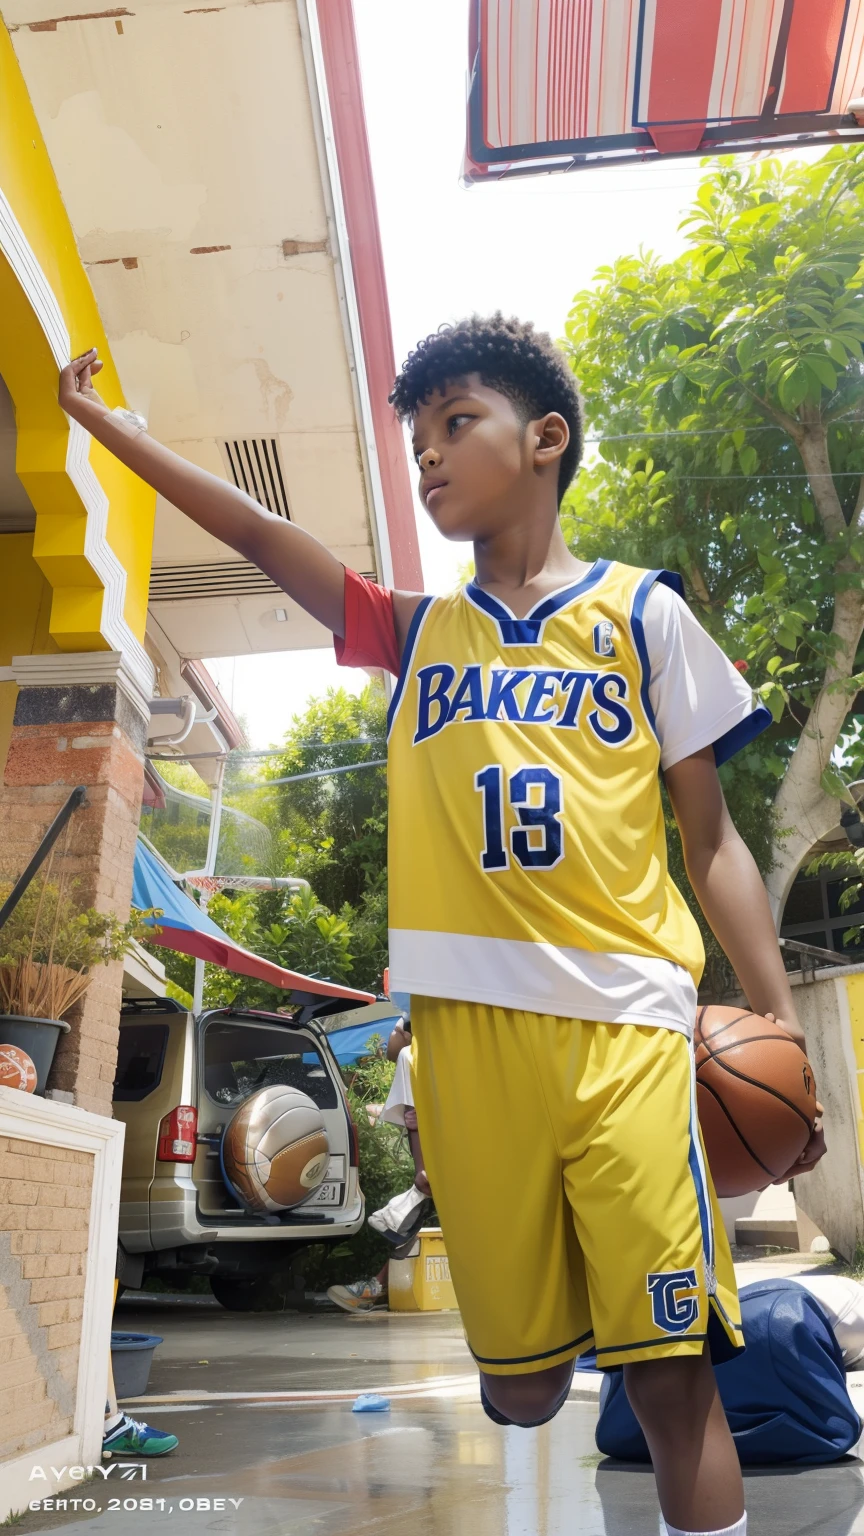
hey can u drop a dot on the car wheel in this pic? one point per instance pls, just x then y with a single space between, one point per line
258 1293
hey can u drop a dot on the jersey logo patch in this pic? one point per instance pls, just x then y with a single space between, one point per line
674 1299
524 695
603 633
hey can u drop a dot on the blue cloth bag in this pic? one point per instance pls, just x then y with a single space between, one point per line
785 1396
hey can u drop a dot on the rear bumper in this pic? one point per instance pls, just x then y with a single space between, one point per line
176 1222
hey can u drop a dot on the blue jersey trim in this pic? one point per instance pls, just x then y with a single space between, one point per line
621 1349
527 1359
529 631
407 656
723 1315
672 580
742 734
637 629
697 1170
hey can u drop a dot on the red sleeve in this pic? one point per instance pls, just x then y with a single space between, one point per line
370 628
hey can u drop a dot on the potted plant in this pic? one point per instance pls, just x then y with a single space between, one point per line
49 949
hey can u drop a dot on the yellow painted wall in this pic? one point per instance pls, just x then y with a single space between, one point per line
24 615
28 367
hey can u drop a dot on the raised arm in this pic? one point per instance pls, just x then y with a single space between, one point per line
295 560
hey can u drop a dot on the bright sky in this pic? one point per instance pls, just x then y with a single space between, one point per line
523 246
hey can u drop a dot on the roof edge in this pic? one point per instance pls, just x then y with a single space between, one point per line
333 65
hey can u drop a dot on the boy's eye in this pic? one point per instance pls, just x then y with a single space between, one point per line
455 422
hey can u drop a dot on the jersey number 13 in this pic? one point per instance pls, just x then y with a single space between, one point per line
535 796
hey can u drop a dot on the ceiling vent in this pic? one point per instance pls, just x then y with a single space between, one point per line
197 583
254 465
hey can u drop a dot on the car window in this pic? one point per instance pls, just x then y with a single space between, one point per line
240 1058
140 1054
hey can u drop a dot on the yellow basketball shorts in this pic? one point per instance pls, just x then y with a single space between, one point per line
572 1189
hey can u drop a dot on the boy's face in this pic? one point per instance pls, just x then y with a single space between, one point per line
479 459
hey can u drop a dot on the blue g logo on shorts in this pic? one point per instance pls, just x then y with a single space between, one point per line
674 1299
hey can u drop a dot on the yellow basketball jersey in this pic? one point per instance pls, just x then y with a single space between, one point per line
527 847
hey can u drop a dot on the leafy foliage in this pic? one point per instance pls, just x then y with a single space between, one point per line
700 378
331 831
50 945
726 388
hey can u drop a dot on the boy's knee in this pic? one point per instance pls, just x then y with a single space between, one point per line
665 1393
526 1401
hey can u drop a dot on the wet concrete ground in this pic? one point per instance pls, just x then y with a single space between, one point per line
262 1406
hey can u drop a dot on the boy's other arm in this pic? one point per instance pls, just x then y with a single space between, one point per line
729 889
296 561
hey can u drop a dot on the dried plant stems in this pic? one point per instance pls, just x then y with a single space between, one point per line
37 991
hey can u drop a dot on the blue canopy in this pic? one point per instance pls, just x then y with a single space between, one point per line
184 927
349 1044
152 886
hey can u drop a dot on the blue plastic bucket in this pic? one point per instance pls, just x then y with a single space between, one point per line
131 1359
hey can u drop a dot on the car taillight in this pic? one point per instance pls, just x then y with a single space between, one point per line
177 1134
355 1142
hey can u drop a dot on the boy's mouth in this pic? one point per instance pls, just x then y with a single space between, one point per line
432 489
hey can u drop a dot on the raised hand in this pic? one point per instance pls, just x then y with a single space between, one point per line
76 383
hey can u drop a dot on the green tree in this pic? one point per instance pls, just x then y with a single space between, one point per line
333 829
727 390
329 829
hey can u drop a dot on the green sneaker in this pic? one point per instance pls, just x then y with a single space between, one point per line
132 1438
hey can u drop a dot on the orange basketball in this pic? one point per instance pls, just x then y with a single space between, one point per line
756 1097
16 1069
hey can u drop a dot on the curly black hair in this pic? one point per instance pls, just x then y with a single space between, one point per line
510 356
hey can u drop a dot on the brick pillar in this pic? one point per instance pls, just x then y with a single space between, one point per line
79 719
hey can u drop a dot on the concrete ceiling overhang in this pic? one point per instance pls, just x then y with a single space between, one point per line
187 141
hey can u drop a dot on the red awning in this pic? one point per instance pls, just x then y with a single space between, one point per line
184 927
242 962
558 84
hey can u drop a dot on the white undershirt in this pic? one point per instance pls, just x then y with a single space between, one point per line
696 693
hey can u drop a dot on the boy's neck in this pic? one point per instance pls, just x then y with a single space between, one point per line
522 565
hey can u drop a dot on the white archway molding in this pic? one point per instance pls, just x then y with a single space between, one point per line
114 628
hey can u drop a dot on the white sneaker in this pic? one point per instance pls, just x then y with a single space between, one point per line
360 1296
401 1216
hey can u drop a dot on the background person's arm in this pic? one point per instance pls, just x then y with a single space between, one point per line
729 889
296 561
400 1037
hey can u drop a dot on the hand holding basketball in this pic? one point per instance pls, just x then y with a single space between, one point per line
757 1103
815 1147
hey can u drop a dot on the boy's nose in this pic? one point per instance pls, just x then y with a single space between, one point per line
430 459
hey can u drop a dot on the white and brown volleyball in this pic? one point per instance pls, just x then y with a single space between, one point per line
17 1069
275 1150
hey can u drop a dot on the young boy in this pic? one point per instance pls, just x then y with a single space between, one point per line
552 963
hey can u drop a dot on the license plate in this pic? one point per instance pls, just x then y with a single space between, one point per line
326 1194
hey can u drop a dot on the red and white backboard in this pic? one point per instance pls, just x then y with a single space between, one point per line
561 84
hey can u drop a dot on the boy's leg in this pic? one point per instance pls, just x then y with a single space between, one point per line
658 1265
495 1170
692 1451
526 1400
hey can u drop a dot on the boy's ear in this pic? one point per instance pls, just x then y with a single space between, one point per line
551 436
